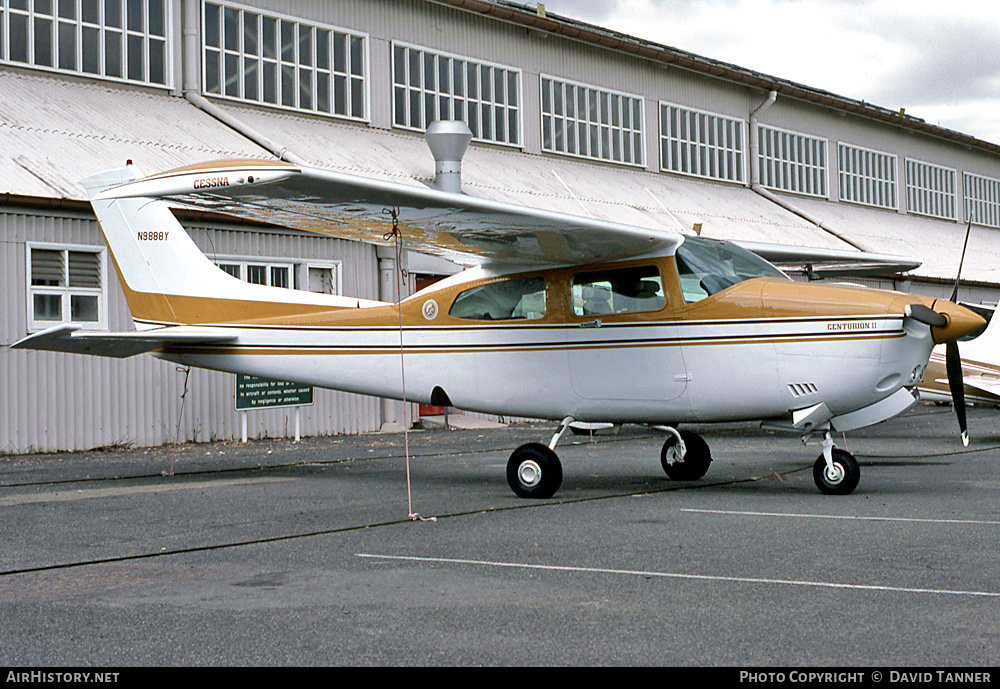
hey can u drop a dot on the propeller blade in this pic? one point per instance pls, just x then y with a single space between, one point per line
953 364
968 231
925 315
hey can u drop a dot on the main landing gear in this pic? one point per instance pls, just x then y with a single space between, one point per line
534 470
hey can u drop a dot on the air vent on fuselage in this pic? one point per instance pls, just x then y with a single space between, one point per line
802 389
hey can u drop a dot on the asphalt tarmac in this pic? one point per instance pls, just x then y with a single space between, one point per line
274 553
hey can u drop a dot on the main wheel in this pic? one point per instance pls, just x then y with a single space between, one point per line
534 471
842 478
695 462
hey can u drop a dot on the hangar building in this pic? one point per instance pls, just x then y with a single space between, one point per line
565 115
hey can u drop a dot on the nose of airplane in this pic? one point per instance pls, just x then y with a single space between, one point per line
960 322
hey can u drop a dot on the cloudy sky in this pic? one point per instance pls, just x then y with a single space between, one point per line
939 59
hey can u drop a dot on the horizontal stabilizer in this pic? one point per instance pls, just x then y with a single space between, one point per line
71 338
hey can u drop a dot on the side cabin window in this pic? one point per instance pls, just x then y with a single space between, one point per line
521 298
706 266
619 290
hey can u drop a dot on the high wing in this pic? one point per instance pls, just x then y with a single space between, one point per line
68 337
461 228
820 263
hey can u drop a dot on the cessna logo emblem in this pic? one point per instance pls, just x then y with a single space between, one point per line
209 182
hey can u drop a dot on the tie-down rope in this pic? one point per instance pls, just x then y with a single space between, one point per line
397 239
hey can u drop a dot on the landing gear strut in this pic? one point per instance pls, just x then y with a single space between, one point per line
836 471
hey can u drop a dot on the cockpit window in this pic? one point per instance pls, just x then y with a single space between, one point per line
706 266
504 300
620 290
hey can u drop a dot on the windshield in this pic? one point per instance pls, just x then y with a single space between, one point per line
707 266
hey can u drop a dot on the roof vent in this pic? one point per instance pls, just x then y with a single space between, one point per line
448 141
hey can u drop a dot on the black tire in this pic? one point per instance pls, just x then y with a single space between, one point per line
534 471
696 461
847 477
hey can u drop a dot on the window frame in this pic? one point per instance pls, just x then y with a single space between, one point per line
805 175
99 30
405 84
298 270
244 265
922 199
288 72
336 275
983 209
572 91
65 291
737 128
867 186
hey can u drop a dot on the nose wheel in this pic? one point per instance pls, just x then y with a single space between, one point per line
838 475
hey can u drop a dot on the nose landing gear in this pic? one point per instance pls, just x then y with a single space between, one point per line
836 471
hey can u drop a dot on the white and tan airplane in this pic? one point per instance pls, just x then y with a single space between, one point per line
564 318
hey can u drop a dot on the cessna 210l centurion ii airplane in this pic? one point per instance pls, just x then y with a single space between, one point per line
563 317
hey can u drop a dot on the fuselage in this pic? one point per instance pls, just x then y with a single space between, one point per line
632 341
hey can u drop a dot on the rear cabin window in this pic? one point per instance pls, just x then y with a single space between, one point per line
621 290
522 298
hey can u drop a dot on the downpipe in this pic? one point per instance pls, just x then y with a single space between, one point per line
191 86
756 187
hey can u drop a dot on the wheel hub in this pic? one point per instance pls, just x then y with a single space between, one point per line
529 473
834 473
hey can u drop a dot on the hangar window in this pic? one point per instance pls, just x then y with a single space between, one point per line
265 58
584 121
430 86
867 177
115 39
701 143
66 285
322 277
521 298
620 290
931 190
982 199
792 162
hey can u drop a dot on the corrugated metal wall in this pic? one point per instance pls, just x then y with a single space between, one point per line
51 401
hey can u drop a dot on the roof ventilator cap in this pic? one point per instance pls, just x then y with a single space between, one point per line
448 141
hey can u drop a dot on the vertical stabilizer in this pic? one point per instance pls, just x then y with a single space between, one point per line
166 277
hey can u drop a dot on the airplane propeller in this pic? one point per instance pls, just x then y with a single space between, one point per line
953 362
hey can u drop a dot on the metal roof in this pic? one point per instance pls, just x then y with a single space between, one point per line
51 146
56 130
